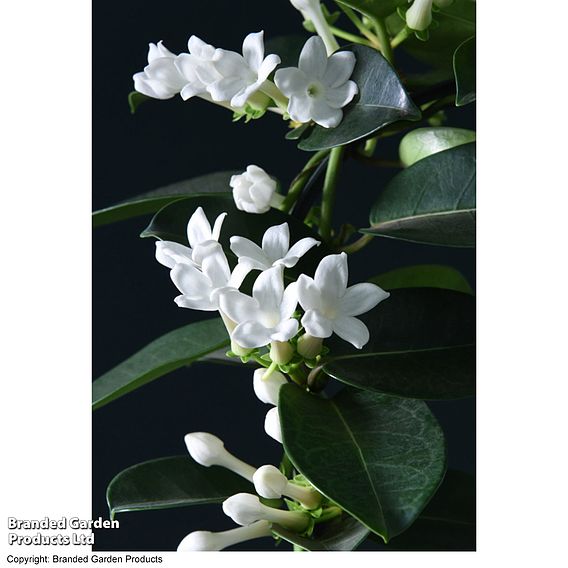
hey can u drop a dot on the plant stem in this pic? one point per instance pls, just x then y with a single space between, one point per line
270 89
329 186
384 39
370 146
360 26
401 36
358 244
301 179
260 360
349 36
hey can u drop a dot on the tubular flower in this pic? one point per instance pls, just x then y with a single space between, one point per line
271 483
246 509
207 450
204 540
331 307
272 424
311 10
319 87
254 191
419 15
161 78
242 75
267 389
275 249
202 241
265 317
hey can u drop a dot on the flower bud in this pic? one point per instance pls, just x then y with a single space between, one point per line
204 540
207 450
254 191
281 352
239 350
272 424
245 509
309 346
267 389
419 15
311 10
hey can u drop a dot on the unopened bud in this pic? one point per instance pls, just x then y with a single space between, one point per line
272 424
205 540
245 509
267 389
239 350
309 346
419 15
207 450
281 352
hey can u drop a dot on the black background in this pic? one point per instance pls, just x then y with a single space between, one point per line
167 141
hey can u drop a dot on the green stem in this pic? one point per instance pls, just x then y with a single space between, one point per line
271 90
360 26
329 186
260 360
384 39
358 244
328 514
370 146
301 179
350 37
401 36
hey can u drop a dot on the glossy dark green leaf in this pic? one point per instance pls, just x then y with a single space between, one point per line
421 346
381 101
431 202
448 521
380 458
374 8
464 69
135 99
177 348
423 276
152 201
170 224
340 534
171 482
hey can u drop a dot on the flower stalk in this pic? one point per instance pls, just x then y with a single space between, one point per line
329 187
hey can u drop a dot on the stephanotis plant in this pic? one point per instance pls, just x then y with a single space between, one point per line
367 460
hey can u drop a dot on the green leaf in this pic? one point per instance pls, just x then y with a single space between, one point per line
297 132
381 101
431 202
464 69
448 521
177 348
170 224
374 8
171 482
344 533
380 458
151 201
421 346
135 99
424 276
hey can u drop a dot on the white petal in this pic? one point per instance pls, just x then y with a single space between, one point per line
246 249
361 298
289 301
216 268
316 324
239 273
238 306
169 253
216 233
152 88
267 66
272 424
250 334
253 50
352 330
190 91
261 193
313 58
231 64
198 228
331 275
309 295
203 250
225 89
301 248
339 68
285 330
299 108
340 96
269 288
325 115
276 241
291 80
199 48
255 173
190 281
196 303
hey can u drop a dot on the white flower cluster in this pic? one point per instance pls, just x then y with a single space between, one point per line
315 90
243 508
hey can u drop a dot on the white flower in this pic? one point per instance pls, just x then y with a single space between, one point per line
242 75
272 424
271 483
197 67
203 241
246 509
200 288
311 10
275 249
161 78
319 87
254 191
207 450
265 317
267 389
419 15
330 306
205 540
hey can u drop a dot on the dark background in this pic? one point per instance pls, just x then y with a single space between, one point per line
167 141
